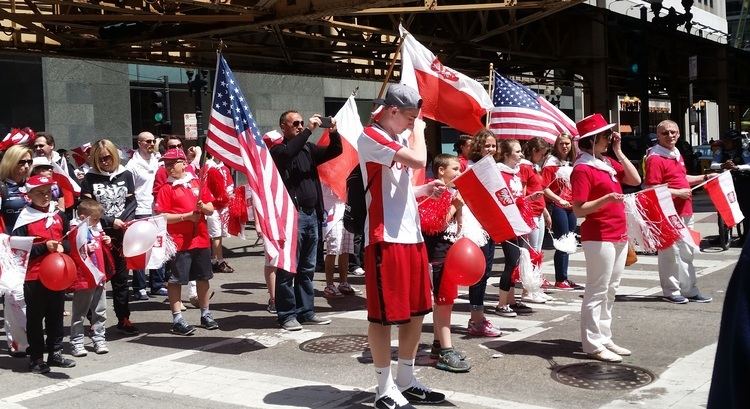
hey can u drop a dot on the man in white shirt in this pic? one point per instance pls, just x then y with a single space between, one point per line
143 165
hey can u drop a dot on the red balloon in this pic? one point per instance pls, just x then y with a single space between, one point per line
57 271
464 263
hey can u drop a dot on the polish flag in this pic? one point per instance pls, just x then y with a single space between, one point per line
653 222
14 258
80 254
81 154
69 187
272 138
491 202
447 96
334 172
721 191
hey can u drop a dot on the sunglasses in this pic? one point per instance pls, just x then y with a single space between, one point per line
105 158
298 123
148 141
174 146
26 162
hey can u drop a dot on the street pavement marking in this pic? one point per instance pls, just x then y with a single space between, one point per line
698 262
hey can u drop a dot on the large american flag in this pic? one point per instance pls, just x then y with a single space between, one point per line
233 137
520 113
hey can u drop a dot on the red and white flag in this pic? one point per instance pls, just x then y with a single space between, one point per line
80 253
334 172
81 154
163 249
485 192
234 137
721 191
653 222
14 258
272 138
447 95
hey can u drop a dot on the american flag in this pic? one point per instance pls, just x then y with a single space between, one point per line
233 137
520 113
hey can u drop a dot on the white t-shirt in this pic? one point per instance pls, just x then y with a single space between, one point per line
144 173
392 214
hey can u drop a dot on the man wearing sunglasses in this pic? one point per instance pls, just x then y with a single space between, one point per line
297 161
143 165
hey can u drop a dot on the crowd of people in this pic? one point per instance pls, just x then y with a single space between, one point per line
403 258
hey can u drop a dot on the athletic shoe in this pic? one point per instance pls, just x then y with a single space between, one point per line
359 271
317 320
546 296
450 361
563 285
435 351
419 394
534 298
617 349
292 325
78 351
140 295
332 292
271 308
56 359
347 289
546 284
392 399
216 268
182 328
505 311
605 355
700 298
226 268
483 329
208 322
160 292
127 327
575 286
675 299
101 348
521 308
39 366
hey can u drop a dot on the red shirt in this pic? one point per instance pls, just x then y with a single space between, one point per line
38 228
660 170
533 184
463 163
162 175
556 185
180 199
608 222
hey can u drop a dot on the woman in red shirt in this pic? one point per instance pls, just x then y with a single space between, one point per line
556 176
597 196
510 170
463 148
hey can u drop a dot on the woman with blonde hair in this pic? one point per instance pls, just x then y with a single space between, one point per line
110 184
14 170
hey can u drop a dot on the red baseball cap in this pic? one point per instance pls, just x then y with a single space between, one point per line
38 181
173 154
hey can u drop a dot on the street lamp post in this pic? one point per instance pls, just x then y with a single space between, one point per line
197 87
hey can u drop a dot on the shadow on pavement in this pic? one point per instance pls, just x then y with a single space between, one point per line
545 349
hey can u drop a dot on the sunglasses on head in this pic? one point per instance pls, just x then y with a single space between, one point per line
25 162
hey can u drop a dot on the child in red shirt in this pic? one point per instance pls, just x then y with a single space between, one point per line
178 200
42 304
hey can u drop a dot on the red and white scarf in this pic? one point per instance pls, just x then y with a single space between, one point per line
588 159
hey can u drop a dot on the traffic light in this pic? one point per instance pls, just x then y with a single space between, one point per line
158 106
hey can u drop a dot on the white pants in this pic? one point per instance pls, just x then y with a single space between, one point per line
536 237
14 310
676 270
605 263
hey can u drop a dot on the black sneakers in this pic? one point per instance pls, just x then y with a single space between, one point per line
182 328
39 366
56 359
386 402
208 322
420 394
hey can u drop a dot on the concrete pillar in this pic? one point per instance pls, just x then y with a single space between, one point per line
722 88
596 72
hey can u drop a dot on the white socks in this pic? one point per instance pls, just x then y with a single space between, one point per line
387 387
404 373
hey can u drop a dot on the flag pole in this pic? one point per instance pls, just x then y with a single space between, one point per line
390 67
490 90
707 180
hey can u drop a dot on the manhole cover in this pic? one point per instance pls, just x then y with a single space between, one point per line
335 344
598 375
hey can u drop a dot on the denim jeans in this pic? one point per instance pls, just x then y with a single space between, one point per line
478 290
295 292
563 222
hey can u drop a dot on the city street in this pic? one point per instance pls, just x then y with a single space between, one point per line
251 362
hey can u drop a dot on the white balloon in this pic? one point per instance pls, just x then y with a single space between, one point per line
139 238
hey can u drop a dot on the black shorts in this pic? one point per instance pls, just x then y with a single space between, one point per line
191 265
437 249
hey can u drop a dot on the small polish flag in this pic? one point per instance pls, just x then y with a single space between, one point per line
721 191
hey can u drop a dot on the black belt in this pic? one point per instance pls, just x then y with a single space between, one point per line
306 210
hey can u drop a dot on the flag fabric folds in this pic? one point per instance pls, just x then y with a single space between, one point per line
485 192
520 113
234 137
447 95
334 172
80 254
653 222
721 191
14 258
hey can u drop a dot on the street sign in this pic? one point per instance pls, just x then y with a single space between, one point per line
191 127
693 68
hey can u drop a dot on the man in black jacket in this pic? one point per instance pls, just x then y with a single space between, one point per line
297 161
